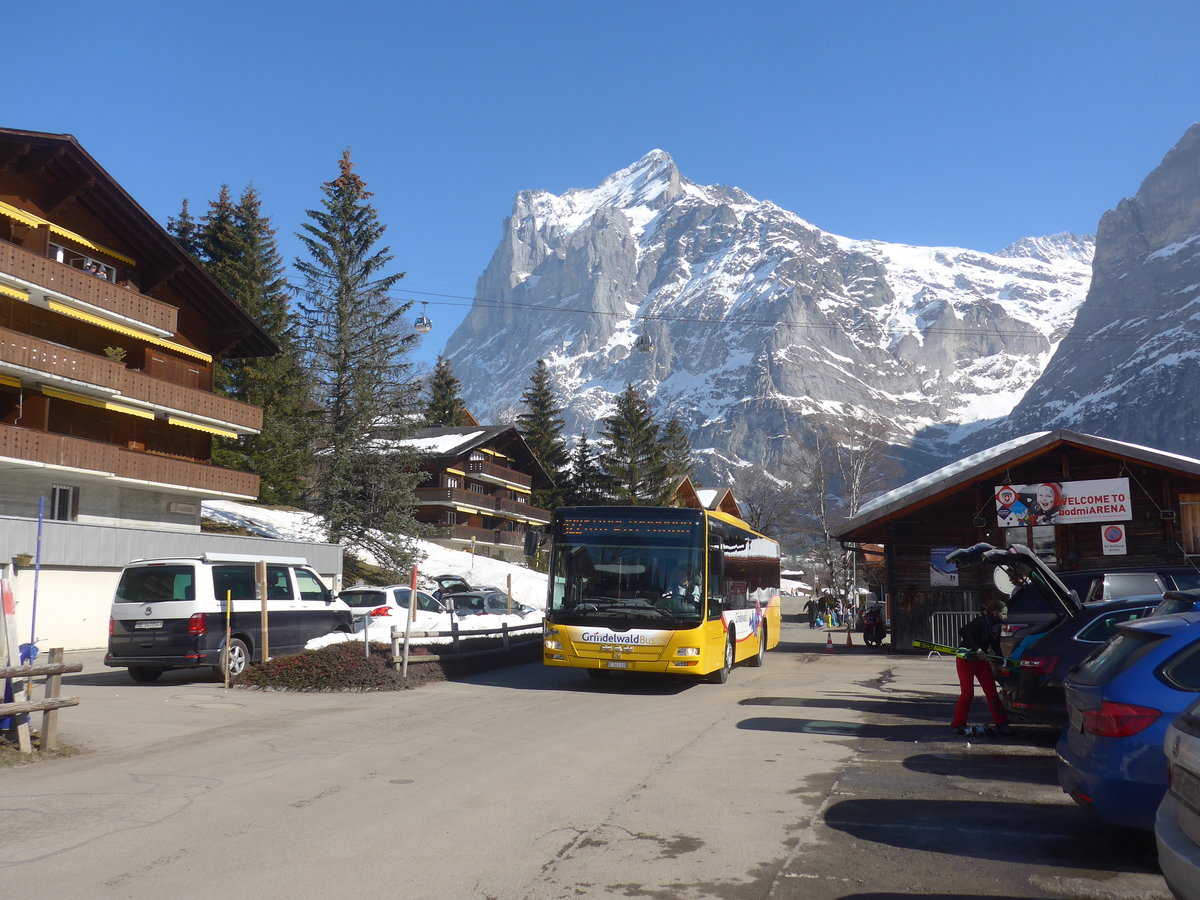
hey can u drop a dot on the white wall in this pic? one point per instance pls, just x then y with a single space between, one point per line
72 607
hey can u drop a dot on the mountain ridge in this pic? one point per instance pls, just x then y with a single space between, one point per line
761 320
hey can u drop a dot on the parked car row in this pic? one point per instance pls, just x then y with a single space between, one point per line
1121 676
175 613
454 597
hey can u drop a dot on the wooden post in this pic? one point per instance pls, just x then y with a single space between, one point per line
53 690
453 631
508 602
504 631
408 620
260 587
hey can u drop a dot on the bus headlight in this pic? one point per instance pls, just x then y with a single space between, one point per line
688 651
553 645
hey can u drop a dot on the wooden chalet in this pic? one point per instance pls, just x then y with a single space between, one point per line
109 332
1081 502
687 495
481 480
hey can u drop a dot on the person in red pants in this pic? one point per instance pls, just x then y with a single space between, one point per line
980 635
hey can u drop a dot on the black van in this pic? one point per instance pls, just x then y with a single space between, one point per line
171 613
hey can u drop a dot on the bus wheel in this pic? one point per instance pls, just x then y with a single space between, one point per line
757 659
142 675
722 674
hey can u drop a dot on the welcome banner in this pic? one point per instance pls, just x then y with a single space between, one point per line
1063 502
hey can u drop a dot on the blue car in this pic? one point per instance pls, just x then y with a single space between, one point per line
1120 701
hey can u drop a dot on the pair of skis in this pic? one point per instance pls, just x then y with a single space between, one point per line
964 653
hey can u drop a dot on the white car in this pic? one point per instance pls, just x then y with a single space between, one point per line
364 599
1177 825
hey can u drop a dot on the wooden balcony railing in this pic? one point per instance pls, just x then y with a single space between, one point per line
59 277
485 470
525 510
445 496
493 505
482 536
42 356
108 459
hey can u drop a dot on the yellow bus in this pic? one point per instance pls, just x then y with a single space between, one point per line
659 589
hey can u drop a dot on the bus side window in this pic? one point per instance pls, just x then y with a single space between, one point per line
716 570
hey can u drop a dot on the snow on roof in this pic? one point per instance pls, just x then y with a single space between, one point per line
707 496
442 443
956 471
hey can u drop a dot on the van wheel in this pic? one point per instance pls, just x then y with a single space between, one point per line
142 675
239 657
722 674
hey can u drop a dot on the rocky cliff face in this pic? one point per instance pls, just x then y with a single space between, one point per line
1130 364
761 321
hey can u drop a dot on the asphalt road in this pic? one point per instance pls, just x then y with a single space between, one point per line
819 775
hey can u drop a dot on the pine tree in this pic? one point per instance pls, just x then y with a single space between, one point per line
237 247
541 424
220 246
677 450
183 229
585 484
631 456
445 408
357 342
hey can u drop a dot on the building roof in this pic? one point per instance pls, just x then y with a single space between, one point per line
59 158
454 443
996 460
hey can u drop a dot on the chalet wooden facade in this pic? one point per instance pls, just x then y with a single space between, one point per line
687 496
108 336
481 480
1133 506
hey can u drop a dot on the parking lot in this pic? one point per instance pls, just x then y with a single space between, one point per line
820 775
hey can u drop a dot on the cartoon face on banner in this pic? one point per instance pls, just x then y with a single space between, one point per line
1063 503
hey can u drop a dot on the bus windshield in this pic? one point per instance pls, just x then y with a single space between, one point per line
628 569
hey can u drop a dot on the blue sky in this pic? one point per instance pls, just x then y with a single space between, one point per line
949 123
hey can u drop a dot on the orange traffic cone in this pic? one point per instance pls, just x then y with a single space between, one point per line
849 643
828 642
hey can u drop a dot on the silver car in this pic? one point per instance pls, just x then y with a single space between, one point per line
1177 825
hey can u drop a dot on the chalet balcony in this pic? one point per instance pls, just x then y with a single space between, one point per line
70 282
496 506
107 461
465 534
523 511
455 497
498 474
19 349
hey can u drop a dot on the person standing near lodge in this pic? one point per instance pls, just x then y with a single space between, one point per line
980 635
811 608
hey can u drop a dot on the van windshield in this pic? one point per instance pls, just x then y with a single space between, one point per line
155 584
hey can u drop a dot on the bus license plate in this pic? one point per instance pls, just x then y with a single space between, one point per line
148 624
616 665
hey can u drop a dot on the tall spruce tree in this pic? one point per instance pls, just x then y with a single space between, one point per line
183 228
631 456
541 424
677 449
236 245
585 482
445 408
357 342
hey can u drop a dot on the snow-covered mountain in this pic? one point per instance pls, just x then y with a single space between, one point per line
1129 366
761 321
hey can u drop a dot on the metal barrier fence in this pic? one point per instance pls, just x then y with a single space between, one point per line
944 626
